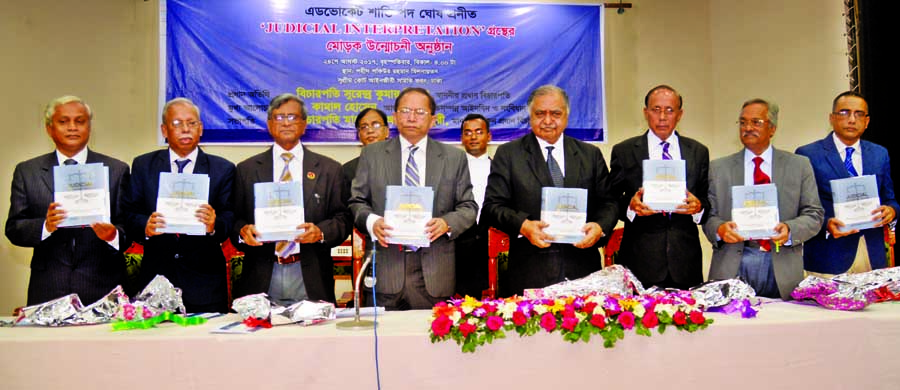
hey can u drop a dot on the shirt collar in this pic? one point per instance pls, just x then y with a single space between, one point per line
297 151
652 139
766 155
191 156
80 157
841 146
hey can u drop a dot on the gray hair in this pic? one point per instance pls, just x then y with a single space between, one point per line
771 108
280 100
548 89
51 107
179 100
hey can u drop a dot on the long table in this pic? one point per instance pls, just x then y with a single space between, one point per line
787 346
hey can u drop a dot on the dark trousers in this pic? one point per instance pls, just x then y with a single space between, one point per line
413 295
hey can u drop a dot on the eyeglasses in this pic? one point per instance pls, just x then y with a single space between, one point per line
755 123
376 126
291 118
406 111
469 133
555 114
178 123
659 110
844 114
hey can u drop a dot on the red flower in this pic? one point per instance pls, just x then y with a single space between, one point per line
697 317
569 311
519 318
441 326
679 318
598 320
569 323
650 320
589 307
548 322
627 319
489 308
466 328
494 323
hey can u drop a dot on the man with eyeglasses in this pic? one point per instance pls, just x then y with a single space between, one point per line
842 154
409 277
547 158
773 267
661 249
85 260
371 127
193 263
472 245
291 273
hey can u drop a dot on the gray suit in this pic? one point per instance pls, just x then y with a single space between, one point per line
798 207
447 173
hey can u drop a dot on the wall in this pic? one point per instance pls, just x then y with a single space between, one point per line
717 53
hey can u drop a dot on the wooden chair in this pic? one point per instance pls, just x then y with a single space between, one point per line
498 242
350 253
890 239
612 247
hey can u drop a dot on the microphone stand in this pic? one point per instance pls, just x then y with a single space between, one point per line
356 323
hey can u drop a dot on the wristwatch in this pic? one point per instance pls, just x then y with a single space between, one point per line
322 241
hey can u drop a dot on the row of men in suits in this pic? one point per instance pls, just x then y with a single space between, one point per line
661 248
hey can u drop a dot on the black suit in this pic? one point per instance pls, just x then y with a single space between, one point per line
518 171
660 249
193 263
70 260
325 205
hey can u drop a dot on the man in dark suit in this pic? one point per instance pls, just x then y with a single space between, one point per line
83 260
773 267
304 272
831 251
472 245
662 249
513 198
414 278
193 263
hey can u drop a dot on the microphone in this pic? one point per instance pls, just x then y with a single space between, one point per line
356 323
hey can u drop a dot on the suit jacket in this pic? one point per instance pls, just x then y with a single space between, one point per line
193 263
657 245
70 260
798 207
447 173
513 194
349 169
836 255
325 205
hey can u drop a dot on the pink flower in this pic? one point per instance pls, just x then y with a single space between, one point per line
494 323
519 318
627 319
650 320
128 311
569 323
489 308
598 321
146 312
569 311
548 322
441 326
466 328
679 318
697 317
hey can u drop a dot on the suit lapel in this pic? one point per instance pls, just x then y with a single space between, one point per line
202 165
833 157
536 161
47 163
574 164
391 166
310 164
869 165
737 170
434 163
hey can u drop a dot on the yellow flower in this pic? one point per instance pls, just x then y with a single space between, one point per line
558 306
469 304
628 304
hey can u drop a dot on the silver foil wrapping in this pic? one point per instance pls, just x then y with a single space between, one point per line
258 306
253 306
159 296
848 291
615 279
722 292
68 310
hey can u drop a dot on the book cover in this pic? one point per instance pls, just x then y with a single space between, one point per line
854 200
665 184
82 190
565 211
180 195
755 210
407 210
278 210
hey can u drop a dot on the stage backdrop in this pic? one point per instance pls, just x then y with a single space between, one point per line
232 56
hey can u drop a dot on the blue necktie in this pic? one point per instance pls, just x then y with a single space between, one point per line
411 178
848 162
665 153
70 161
181 164
555 173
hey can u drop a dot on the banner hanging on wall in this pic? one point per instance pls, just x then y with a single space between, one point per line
232 56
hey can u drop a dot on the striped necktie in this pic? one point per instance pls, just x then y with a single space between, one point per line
284 248
555 172
665 153
411 176
848 162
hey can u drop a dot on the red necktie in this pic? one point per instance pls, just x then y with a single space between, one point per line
760 177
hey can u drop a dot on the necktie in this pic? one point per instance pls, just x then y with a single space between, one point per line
70 161
284 248
411 177
555 173
848 162
181 164
665 153
760 177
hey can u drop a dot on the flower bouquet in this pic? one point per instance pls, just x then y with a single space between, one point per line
472 323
